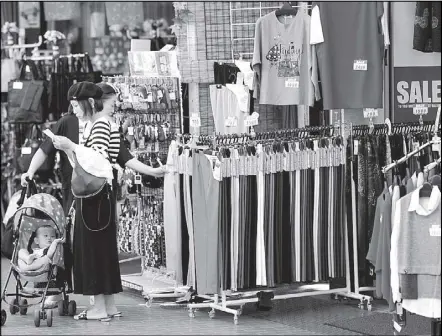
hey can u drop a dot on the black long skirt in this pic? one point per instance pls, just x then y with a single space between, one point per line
96 265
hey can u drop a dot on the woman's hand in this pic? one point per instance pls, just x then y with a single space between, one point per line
25 177
63 143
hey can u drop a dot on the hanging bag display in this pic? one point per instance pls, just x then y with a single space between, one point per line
29 148
27 99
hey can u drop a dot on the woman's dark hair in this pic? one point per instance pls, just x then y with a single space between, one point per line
87 108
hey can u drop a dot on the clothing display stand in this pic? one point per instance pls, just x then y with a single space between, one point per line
226 300
365 300
436 141
174 117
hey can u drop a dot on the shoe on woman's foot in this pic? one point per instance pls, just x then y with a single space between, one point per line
84 316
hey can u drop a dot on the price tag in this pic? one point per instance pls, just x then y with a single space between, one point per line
436 145
355 147
130 130
251 121
150 97
435 231
160 94
420 110
28 69
195 120
292 83
137 179
228 122
17 85
217 170
360 65
172 95
370 113
26 150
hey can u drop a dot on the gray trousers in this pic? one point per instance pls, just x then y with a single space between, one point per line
205 191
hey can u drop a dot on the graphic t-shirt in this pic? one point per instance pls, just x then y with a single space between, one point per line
286 61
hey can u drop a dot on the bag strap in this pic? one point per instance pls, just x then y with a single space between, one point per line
32 67
99 208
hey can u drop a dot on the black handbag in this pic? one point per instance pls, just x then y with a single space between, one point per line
29 148
27 98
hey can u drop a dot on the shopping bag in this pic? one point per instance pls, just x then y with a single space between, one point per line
27 99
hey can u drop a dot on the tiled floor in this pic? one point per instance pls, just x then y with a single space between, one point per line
301 316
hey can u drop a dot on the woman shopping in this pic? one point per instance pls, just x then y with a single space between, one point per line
96 265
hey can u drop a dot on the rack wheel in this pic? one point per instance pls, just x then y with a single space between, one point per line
49 316
37 317
212 313
191 313
72 308
13 307
148 301
240 311
23 307
61 305
4 316
235 320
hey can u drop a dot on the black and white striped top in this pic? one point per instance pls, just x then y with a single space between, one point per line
105 138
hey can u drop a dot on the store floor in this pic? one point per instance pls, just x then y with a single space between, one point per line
300 316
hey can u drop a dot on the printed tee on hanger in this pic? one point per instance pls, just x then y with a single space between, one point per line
284 62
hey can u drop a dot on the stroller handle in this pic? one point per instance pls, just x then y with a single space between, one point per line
29 190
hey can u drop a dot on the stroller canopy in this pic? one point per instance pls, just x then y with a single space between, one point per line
50 206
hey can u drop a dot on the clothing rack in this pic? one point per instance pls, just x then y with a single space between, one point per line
434 141
432 165
25 46
222 301
385 128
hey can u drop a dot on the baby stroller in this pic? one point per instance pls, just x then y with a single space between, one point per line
39 210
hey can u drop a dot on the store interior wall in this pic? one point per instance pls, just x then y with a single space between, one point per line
404 55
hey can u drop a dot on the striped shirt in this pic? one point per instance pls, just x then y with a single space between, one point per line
104 137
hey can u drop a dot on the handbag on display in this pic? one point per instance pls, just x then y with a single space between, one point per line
27 98
29 148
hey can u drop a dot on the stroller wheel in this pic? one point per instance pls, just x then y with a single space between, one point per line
72 308
49 317
37 317
3 317
23 307
13 307
61 308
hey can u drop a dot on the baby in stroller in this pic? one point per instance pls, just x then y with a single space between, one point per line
45 238
38 260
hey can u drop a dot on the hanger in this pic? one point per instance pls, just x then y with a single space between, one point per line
286 9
